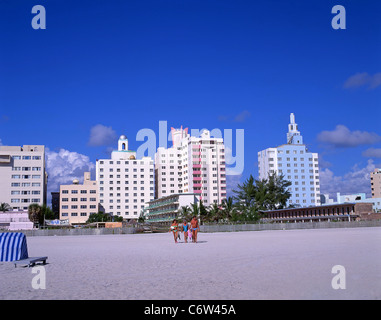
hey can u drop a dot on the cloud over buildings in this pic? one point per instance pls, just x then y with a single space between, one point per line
64 166
363 79
342 137
239 117
372 153
101 135
357 180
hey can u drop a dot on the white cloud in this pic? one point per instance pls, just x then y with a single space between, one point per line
363 79
240 117
355 181
64 166
372 153
101 135
342 137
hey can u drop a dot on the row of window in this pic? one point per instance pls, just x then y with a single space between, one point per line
25 200
126 200
76 199
111 176
304 201
126 195
133 162
125 170
126 182
25 192
75 214
76 191
25 176
26 169
82 206
26 157
25 184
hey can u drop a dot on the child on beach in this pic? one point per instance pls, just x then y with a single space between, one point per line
190 235
174 228
185 230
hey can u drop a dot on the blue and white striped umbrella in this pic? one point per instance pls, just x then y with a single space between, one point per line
13 246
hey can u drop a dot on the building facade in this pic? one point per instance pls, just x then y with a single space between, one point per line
331 212
23 178
125 184
296 164
375 181
192 165
165 209
79 201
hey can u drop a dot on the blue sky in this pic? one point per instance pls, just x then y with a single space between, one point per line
114 67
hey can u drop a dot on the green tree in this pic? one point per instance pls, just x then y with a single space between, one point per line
99 217
4 207
185 213
215 213
35 213
228 208
254 195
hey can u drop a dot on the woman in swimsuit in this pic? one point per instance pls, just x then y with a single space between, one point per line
175 229
185 230
195 228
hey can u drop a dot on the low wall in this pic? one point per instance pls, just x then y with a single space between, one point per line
78 232
208 228
288 226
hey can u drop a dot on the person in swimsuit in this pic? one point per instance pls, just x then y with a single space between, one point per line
195 228
185 230
175 229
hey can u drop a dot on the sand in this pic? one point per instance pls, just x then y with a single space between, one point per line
288 264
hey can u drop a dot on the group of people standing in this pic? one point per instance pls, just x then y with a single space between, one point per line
189 230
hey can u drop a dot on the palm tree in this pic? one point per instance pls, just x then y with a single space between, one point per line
228 208
35 213
246 192
185 213
215 213
4 207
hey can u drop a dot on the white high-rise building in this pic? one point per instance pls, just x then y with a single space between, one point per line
296 164
23 179
125 184
192 165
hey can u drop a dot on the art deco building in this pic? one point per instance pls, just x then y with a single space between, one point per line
296 164
125 184
193 165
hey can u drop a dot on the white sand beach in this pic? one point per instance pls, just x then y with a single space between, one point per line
288 264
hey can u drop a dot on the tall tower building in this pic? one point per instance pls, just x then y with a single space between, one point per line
23 179
296 164
125 184
375 181
192 165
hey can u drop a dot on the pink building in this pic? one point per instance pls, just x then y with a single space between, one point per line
15 220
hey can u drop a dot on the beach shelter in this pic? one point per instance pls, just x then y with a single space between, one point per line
13 246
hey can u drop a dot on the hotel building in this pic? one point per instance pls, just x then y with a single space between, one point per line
192 165
78 201
167 208
125 184
375 181
23 179
296 164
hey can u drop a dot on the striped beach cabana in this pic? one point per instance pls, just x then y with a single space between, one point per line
13 246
